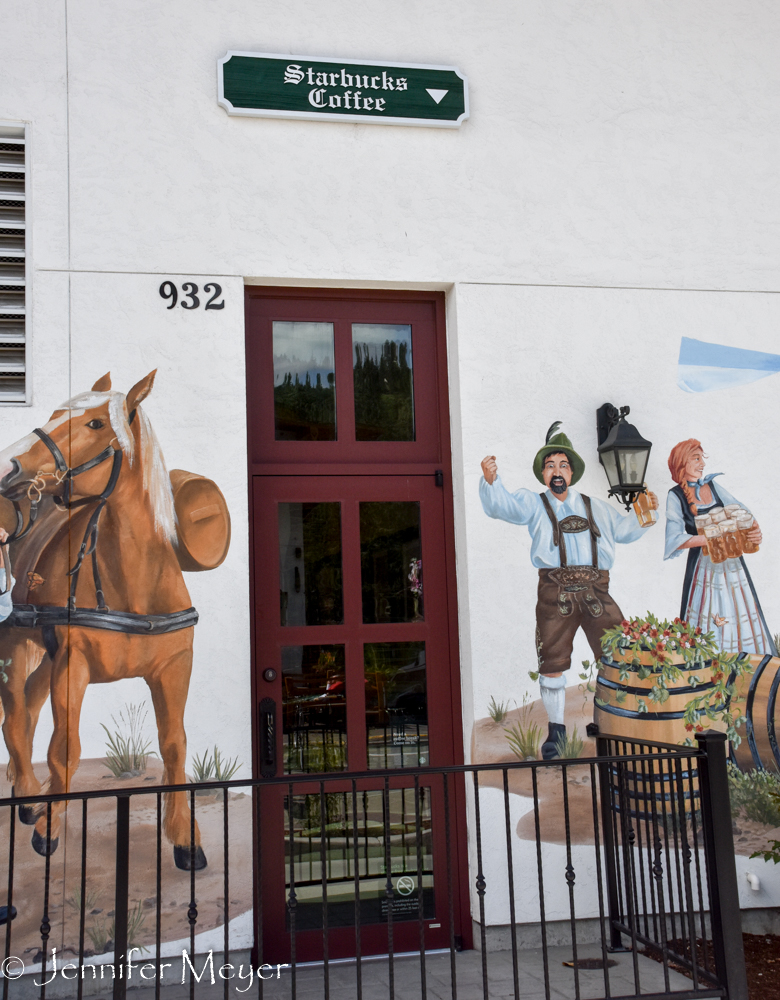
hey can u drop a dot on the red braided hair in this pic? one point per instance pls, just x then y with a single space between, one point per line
679 457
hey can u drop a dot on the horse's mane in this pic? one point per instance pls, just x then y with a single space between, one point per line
157 482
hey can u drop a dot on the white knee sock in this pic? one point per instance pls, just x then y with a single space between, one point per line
553 696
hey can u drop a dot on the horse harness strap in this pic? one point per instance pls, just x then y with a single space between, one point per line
47 618
89 541
573 524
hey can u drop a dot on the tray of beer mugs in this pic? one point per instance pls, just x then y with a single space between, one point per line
726 530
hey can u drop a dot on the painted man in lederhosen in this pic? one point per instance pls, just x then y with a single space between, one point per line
573 542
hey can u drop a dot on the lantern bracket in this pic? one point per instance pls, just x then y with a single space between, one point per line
608 417
625 496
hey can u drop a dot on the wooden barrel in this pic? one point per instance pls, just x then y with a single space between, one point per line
761 705
647 789
616 709
202 521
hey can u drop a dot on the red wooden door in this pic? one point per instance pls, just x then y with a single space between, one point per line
355 640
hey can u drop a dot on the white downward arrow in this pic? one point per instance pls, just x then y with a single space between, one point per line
437 95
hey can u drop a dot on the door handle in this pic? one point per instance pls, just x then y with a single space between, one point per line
438 477
267 731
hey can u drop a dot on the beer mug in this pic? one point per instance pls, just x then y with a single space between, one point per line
745 522
732 508
644 512
701 521
731 539
715 543
718 515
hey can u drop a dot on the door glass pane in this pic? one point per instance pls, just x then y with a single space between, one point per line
305 831
304 382
390 563
382 373
314 709
310 578
396 704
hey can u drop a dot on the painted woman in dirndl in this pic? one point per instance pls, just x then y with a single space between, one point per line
718 597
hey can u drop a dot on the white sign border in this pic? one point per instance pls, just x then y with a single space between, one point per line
314 116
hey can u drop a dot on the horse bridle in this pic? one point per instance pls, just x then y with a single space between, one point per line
65 475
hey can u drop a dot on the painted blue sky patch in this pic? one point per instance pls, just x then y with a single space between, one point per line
703 367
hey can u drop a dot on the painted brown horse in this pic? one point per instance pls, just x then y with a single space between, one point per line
106 511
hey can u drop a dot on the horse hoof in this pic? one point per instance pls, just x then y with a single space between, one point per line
26 813
183 859
43 846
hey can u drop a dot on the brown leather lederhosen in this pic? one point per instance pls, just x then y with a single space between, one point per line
572 597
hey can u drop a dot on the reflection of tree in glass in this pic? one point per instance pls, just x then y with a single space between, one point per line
389 542
384 408
335 811
380 673
305 412
395 672
322 563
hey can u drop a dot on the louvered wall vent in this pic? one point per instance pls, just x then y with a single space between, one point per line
14 302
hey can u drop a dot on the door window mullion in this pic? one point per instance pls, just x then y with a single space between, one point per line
345 397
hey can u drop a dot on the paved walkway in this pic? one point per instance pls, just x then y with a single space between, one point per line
375 976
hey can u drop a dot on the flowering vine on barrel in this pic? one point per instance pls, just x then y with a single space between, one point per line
670 653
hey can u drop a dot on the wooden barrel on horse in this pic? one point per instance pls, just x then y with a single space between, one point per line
202 522
759 692
617 713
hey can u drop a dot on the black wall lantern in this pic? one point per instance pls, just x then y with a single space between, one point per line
623 452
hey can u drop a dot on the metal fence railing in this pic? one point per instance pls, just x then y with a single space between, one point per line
622 864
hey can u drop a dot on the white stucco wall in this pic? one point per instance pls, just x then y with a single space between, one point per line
626 147
609 143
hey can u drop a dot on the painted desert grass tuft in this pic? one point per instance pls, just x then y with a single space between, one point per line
213 766
101 932
524 740
570 747
525 736
90 901
126 750
498 710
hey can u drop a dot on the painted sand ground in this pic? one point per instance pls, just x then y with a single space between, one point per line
65 874
489 746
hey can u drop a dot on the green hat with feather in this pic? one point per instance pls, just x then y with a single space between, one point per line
556 442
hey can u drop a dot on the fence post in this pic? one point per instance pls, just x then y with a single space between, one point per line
721 866
608 839
121 897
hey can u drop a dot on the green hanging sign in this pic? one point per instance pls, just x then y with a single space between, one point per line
261 85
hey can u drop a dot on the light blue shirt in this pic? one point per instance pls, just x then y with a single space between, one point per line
6 604
675 523
526 507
